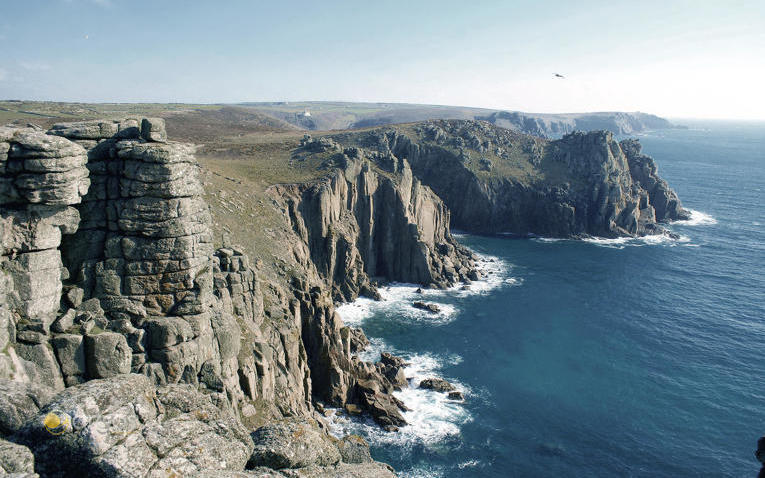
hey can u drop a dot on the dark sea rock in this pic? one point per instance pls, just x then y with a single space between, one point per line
437 384
432 308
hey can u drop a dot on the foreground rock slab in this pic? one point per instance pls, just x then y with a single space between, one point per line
125 426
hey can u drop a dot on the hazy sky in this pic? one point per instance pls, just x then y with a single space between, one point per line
672 58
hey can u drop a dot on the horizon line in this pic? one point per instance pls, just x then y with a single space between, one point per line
510 110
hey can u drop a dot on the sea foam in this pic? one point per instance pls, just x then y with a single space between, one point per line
697 218
398 298
431 417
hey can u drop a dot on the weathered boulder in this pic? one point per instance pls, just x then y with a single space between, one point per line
456 395
19 402
292 443
380 404
41 365
153 129
395 375
70 352
340 470
354 449
107 354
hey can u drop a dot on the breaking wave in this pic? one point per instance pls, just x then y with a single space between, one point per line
698 218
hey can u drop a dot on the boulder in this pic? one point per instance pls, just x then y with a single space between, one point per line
383 407
65 322
19 402
387 358
107 354
395 375
74 296
153 129
70 352
344 470
354 449
455 395
292 443
437 384
44 368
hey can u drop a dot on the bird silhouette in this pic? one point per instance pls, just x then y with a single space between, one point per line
558 75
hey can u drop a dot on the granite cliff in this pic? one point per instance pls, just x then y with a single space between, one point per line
496 180
118 312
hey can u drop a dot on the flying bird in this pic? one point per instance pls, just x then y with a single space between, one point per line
558 75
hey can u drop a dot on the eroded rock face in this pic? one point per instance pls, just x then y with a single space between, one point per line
139 287
41 177
583 184
644 171
360 223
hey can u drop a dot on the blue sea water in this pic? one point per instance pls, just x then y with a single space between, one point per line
600 358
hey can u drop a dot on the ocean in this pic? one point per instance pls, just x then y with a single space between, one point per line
630 357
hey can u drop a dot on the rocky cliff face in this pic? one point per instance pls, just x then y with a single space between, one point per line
357 225
366 222
495 180
108 271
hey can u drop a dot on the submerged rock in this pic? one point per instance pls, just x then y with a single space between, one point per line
432 308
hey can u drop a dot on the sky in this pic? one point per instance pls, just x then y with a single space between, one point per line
672 58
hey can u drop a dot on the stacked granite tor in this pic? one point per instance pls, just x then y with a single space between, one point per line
41 178
144 247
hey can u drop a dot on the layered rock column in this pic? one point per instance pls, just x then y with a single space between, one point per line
41 177
144 248
145 251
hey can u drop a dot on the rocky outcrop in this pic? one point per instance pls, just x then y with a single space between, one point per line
125 426
437 384
644 172
293 444
364 221
111 287
495 180
16 460
374 219
41 178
